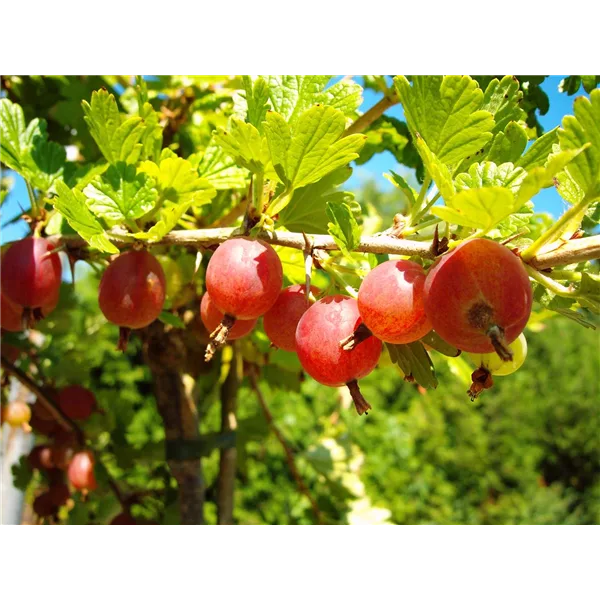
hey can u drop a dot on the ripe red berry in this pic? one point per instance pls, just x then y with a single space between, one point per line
40 457
212 317
81 471
123 518
390 301
132 292
318 335
16 413
59 493
281 321
31 275
11 316
243 278
76 402
44 506
478 297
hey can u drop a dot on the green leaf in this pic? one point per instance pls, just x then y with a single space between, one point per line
22 474
437 343
171 319
307 210
16 140
48 158
401 183
438 171
244 144
220 170
543 177
457 127
502 99
478 208
291 95
488 174
121 194
590 82
345 95
178 182
152 136
414 361
257 97
343 227
387 133
72 205
589 291
169 216
117 141
508 145
313 149
538 154
578 130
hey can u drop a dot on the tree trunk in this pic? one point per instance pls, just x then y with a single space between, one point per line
228 458
166 354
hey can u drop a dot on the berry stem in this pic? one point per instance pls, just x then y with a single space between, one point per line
219 336
361 334
124 335
496 335
361 405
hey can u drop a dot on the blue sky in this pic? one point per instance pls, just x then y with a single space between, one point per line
547 201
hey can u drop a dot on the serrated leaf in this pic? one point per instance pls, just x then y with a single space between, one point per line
439 172
345 96
171 319
539 178
502 99
220 170
152 136
578 130
169 216
244 144
457 127
22 474
488 174
16 139
508 145
178 182
313 149
256 97
343 227
118 141
538 153
72 205
291 95
437 343
48 160
478 208
79 176
307 210
414 361
121 194
385 134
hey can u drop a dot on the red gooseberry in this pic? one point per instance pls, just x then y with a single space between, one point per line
317 343
478 297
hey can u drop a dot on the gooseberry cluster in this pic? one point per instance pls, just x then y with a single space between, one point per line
62 460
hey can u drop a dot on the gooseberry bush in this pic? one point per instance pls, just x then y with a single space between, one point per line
221 256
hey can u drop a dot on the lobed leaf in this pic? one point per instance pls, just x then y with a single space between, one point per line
343 227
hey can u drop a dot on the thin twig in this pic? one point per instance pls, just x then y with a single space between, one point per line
368 118
573 251
382 244
288 452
